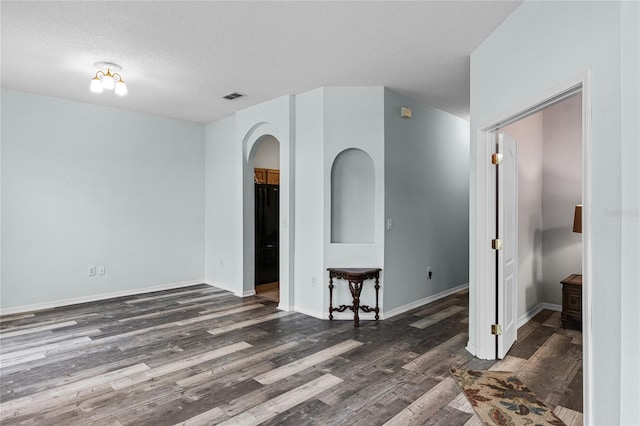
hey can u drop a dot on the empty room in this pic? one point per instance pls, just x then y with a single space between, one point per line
322 213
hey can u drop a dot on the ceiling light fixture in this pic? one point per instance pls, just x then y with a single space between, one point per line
108 78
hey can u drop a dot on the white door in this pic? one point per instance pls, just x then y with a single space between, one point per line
507 224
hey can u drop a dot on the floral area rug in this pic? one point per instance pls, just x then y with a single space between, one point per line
500 398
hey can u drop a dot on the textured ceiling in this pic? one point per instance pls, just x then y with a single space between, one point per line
180 57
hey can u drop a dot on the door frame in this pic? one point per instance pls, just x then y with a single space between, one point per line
485 257
251 141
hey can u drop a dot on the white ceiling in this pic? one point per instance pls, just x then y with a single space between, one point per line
180 57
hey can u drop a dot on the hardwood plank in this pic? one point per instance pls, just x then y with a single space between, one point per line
45 399
474 421
27 329
173 294
201 298
461 403
247 323
551 368
534 340
286 401
553 321
176 365
19 357
13 345
570 417
447 416
14 317
437 317
232 366
204 419
427 359
154 313
427 405
509 363
438 306
306 362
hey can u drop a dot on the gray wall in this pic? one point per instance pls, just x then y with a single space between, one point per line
88 185
309 268
268 154
549 186
223 218
354 118
549 43
352 198
562 190
426 197
529 132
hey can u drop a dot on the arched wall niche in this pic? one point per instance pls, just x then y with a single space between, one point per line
353 197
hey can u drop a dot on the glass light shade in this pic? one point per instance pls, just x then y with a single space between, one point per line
121 88
96 85
108 82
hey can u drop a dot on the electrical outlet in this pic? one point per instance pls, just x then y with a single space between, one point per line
92 271
389 224
313 281
102 270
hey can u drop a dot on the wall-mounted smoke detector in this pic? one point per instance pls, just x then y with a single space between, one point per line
233 95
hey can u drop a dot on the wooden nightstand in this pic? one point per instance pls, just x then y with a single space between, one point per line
571 299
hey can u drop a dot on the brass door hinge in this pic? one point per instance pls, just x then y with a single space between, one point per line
496 329
496 158
496 244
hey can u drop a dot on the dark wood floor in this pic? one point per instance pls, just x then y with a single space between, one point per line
200 356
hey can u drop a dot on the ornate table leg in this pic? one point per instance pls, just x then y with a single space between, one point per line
377 287
356 289
330 297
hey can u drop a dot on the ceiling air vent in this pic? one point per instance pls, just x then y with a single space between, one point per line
232 96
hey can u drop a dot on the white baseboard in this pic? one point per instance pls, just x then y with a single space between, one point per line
348 315
287 308
339 316
223 287
235 291
471 349
309 312
536 310
421 302
96 297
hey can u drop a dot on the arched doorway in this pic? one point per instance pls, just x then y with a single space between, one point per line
251 142
266 166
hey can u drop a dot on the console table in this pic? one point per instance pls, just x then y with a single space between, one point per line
356 278
571 299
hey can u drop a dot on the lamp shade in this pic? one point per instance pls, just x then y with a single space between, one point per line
108 82
577 219
121 89
96 85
